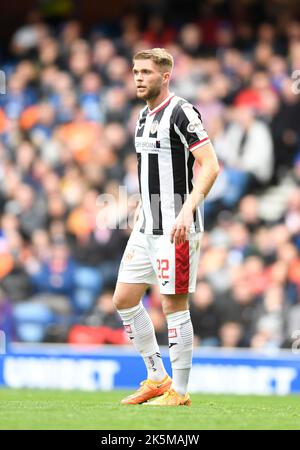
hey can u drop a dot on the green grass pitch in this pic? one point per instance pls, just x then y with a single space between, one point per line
36 409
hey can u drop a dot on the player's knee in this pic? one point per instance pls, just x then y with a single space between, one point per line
118 301
122 302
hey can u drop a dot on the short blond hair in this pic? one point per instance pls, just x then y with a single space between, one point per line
159 56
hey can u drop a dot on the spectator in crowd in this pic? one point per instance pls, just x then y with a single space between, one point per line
247 154
205 315
101 326
270 321
230 334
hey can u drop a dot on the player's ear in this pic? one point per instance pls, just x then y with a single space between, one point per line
166 76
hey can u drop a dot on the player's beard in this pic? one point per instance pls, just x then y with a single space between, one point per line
150 93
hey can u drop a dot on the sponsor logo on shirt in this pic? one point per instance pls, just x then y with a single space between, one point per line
150 146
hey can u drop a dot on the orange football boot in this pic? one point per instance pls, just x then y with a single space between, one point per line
148 389
171 398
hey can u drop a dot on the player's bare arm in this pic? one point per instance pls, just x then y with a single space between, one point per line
208 172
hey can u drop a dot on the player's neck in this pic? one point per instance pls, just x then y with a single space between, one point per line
154 102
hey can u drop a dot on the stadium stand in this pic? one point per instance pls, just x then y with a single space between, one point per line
66 136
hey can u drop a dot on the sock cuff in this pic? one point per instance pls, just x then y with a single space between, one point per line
130 313
178 318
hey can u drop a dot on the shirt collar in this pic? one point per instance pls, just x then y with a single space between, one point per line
164 103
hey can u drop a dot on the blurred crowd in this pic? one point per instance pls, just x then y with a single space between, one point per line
66 136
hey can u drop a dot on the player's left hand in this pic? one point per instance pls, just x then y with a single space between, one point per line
181 227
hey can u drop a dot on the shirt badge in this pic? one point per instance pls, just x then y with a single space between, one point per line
196 125
154 127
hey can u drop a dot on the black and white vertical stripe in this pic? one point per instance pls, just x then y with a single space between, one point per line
165 139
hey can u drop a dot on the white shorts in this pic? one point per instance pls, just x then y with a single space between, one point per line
152 259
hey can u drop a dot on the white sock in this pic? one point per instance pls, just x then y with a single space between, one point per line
140 330
181 335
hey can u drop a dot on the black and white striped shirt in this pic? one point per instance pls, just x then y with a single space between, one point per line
165 139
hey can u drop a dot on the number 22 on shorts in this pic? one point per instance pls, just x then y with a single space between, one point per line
163 268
